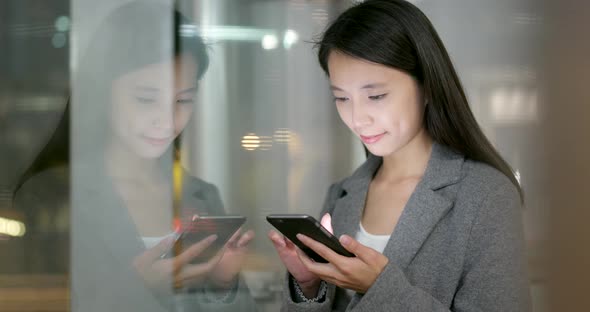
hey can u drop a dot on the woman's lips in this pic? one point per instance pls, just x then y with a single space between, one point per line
370 139
157 141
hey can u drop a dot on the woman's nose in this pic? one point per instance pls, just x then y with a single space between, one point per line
163 117
360 116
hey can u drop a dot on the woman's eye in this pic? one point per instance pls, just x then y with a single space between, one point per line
145 100
377 97
185 101
340 99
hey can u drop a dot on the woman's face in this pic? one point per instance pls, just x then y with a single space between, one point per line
381 105
152 105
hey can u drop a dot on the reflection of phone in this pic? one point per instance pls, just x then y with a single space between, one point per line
195 231
292 224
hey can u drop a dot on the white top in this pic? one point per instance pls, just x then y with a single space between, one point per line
151 241
377 242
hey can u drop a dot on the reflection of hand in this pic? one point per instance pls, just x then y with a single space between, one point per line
288 252
355 273
224 273
159 274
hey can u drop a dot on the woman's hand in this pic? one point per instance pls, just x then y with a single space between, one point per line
163 274
308 281
288 252
225 271
357 273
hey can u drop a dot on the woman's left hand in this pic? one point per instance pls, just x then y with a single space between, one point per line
355 273
230 264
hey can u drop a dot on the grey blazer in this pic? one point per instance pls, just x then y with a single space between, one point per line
458 245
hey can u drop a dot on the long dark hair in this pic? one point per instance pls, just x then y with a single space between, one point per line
128 39
395 33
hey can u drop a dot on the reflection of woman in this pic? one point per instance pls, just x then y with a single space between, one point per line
133 94
433 215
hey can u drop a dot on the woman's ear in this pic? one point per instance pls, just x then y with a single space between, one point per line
423 94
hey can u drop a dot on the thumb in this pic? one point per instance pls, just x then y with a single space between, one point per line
327 222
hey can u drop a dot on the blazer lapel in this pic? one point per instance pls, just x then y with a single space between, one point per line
118 229
422 212
425 207
347 212
97 204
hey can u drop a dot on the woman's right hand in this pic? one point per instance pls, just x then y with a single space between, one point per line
308 281
161 274
287 251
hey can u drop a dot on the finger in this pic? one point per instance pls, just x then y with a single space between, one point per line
324 270
277 239
193 251
155 253
245 239
326 222
285 252
366 254
289 243
307 262
194 272
219 253
322 250
233 239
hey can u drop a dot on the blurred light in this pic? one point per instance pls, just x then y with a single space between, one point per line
234 33
251 142
295 144
290 38
265 143
298 4
58 40
282 135
188 30
269 42
39 103
514 104
62 23
12 227
359 1
320 15
517 176
29 29
526 18
505 75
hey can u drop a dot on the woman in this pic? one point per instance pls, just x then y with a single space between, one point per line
133 94
434 214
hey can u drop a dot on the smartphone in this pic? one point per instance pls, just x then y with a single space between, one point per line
292 224
202 227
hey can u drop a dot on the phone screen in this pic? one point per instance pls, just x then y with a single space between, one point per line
199 229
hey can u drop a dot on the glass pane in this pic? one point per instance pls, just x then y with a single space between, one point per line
122 121
34 215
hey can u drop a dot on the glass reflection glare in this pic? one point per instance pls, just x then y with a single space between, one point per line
12 227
